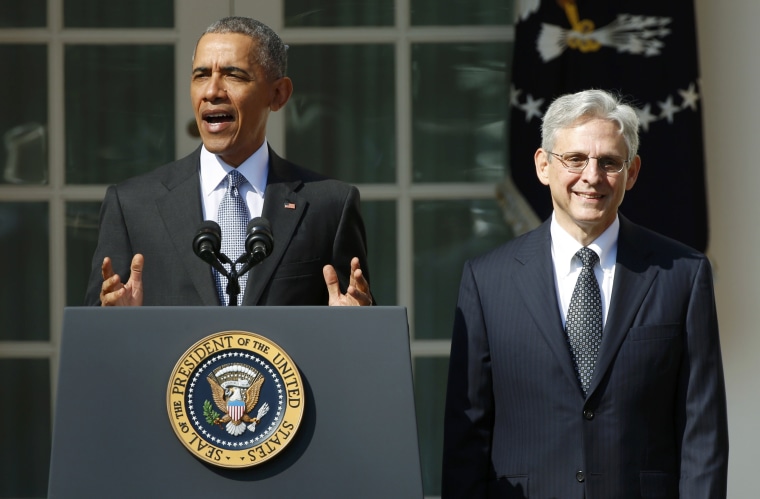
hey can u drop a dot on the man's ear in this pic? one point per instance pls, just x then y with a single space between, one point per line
282 90
633 172
541 158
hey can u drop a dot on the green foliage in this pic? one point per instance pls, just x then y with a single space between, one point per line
209 413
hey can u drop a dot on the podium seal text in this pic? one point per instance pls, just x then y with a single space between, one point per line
235 399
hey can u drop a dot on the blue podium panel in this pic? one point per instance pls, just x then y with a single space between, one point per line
112 434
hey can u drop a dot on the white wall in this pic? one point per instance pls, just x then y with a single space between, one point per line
729 44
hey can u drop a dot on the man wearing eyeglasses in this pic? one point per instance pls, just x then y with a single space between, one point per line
585 358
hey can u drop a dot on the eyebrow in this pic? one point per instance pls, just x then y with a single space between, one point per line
224 69
601 156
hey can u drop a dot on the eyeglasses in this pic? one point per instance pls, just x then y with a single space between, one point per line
575 162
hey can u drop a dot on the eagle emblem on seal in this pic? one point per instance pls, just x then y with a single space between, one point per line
235 389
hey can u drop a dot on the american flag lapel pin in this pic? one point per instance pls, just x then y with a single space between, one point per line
290 206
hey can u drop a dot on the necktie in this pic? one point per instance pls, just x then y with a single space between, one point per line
233 219
584 319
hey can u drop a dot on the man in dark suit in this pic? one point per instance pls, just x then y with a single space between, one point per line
538 404
145 255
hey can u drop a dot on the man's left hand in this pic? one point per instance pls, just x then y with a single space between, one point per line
358 287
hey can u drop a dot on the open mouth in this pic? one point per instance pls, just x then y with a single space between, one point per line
218 118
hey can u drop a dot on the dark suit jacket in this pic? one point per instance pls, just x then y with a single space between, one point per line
653 425
158 214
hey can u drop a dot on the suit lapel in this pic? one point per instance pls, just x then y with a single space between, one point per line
181 213
633 278
537 282
284 208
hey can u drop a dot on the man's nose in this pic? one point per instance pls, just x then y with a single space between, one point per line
215 88
593 170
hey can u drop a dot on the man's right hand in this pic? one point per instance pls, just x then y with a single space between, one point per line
115 294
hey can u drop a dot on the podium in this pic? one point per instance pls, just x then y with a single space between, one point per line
112 435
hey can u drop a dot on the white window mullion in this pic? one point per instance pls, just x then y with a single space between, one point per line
191 17
56 163
404 204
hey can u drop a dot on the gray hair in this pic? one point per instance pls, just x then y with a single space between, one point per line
271 53
567 110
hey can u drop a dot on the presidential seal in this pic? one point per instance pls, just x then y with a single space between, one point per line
235 399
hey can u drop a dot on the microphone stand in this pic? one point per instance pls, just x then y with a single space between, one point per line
258 243
233 285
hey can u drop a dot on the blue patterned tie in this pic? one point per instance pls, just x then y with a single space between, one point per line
233 219
584 319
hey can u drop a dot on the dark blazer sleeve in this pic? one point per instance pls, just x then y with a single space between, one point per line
350 239
113 241
468 422
701 398
668 371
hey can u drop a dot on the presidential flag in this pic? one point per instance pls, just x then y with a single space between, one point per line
643 50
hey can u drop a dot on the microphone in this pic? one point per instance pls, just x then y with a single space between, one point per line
258 240
207 243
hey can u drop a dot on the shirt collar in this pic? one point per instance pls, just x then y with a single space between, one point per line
564 247
254 169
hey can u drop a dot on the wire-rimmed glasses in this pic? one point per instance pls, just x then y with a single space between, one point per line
575 162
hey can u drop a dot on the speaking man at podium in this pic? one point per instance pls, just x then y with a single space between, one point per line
148 244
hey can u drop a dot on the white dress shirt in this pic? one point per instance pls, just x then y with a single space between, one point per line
213 172
567 267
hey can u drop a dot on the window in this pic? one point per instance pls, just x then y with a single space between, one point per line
408 99
78 117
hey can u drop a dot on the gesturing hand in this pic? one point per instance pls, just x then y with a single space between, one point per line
358 287
114 293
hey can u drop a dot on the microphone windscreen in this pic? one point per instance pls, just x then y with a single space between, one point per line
259 237
208 232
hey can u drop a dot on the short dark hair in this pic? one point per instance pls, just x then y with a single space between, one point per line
271 54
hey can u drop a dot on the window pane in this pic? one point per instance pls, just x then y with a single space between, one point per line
380 222
131 14
24 299
459 111
341 118
430 375
23 121
324 13
26 14
25 432
119 111
461 12
446 233
81 239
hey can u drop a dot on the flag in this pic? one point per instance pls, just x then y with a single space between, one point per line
236 409
643 50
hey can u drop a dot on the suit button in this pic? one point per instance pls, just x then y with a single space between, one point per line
580 476
588 414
